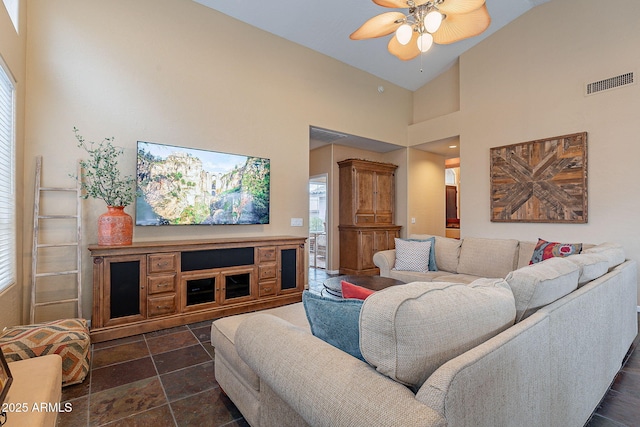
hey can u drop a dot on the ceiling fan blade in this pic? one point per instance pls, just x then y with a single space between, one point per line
456 27
378 26
460 6
407 51
395 4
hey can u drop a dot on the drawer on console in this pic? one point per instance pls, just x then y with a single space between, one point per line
161 306
266 254
160 263
267 288
267 271
161 283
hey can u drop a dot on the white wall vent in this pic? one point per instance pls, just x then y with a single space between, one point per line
325 135
610 83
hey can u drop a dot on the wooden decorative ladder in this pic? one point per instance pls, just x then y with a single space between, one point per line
37 246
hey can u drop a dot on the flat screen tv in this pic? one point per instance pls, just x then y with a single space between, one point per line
178 186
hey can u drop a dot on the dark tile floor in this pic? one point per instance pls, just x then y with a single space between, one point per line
166 378
163 378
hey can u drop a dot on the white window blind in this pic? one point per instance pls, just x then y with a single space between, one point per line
7 184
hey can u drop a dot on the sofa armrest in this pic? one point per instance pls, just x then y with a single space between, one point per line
324 385
504 381
385 260
36 387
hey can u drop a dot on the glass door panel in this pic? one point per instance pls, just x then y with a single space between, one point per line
200 291
239 284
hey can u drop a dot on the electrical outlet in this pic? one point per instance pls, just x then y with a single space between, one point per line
296 222
413 220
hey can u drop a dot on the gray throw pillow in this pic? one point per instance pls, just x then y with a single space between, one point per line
432 252
412 255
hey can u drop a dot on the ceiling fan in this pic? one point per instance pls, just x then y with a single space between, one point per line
427 22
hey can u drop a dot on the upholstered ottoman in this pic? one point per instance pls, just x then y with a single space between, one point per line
69 338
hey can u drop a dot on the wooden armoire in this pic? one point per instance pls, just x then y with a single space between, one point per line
367 200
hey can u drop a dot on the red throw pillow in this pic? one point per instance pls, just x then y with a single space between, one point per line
349 290
545 250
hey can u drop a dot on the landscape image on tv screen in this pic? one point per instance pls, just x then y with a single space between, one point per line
179 186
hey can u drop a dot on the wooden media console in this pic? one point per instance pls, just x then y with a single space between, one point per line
149 286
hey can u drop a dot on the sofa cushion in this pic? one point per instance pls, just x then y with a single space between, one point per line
457 278
415 276
525 252
485 257
545 250
591 265
407 332
614 252
334 321
351 291
412 255
223 333
539 284
447 251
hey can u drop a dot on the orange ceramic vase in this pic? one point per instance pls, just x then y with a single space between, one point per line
115 227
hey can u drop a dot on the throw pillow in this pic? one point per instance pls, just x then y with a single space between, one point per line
349 290
432 253
540 284
545 250
412 255
409 331
335 321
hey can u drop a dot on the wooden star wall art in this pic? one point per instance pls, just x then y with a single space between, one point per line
540 181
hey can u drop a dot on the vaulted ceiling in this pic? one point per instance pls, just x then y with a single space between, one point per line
325 26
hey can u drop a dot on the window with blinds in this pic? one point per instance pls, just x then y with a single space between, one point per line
7 182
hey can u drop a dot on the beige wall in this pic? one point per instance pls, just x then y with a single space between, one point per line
13 52
438 98
526 82
426 193
435 117
167 71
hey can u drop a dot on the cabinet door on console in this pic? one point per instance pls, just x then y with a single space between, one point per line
124 293
238 285
200 290
290 269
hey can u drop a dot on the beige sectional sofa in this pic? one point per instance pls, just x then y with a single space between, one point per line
486 341
34 396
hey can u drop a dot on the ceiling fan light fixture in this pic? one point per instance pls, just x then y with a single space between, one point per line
432 21
424 23
424 42
403 34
